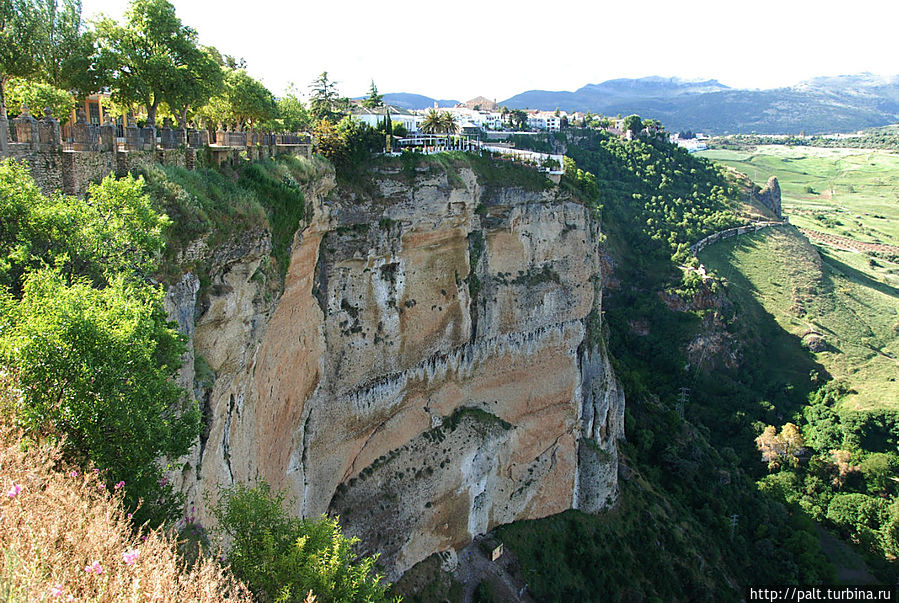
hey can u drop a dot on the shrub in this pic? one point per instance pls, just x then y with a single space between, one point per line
96 368
284 558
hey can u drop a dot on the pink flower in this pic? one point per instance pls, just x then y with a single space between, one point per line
56 591
102 486
73 474
129 516
120 485
14 490
129 557
94 568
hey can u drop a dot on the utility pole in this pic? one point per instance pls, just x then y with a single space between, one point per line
682 398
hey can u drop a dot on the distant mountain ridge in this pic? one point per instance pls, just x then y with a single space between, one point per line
406 100
825 104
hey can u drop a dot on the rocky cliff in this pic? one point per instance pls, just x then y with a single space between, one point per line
769 196
432 368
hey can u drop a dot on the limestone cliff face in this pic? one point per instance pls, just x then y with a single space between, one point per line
430 371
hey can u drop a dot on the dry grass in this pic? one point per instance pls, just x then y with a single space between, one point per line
62 522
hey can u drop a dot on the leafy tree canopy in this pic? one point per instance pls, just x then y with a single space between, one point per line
324 100
153 57
293 114
37 95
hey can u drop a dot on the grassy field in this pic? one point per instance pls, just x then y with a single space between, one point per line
815 292
846 192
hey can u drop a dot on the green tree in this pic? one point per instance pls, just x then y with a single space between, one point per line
202 79
399 129
324 99
879 469
38 95
152 57
250 101
87 338
97 366
293 114
633 124
20 44
433 122
244 101
448 123
283 558
374 100
518 118
68 54
114 230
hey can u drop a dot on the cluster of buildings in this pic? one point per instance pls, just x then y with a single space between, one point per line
478 114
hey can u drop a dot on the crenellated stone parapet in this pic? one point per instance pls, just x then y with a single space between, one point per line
88 152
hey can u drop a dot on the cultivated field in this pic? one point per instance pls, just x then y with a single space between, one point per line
848 192
846 294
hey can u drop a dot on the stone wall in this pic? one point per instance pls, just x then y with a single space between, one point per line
72 172
730 232
93 152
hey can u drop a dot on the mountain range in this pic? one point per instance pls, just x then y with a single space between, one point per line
842 103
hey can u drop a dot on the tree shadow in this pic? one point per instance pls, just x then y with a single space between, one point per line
858 276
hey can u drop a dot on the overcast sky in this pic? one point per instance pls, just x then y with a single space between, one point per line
464 48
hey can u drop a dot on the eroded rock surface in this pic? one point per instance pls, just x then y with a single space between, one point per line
432 368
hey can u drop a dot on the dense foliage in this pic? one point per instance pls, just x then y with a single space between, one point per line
848 479
692 418
284 558
86 335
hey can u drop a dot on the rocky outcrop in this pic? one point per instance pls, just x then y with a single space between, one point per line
769 196
432 368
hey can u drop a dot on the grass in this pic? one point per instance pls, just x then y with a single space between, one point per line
831 293
221 204
846 192
62 521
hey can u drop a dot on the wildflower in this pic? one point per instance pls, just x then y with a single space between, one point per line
56 591
73 473
94 568
14 490
129 516
120 485
101 487
129 557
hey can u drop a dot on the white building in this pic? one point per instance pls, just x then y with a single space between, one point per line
485 120
373 117
544 120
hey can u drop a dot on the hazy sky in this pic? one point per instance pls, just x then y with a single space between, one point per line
464 48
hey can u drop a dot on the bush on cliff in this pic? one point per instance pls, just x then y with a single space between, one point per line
86 336
284 558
